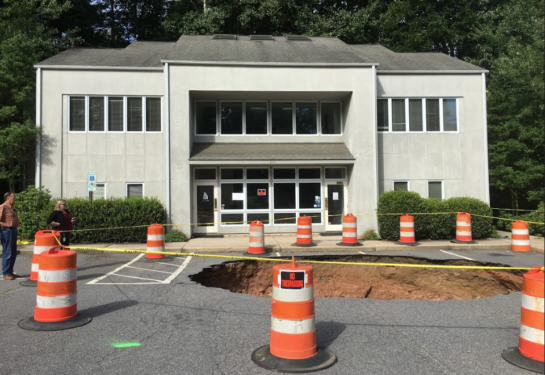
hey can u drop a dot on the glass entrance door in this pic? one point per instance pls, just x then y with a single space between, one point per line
334 206
206 207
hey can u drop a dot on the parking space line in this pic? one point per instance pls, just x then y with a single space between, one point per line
136 277
147 269
361 252
456 255
117 269
178 271
169 264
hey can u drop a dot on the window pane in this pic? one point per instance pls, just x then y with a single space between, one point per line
435 190
153 114
264 218
432 115
305 118
232 197
77 113
331 118
256 118
231 174
415 115
258 196
96 114
231 118
284 173
205 174
382 115
100 192
398 115
206 117
286 218
309 195
232 219
257 174
115 114
134 115
308 173
335 173
135 190
282 119
316 217
398 185
284 195
450 123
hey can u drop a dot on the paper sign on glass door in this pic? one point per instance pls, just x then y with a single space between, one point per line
335 196
238 196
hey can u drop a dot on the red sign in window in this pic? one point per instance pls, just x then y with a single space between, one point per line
261 191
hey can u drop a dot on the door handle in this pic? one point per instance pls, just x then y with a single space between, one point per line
215 204
326 204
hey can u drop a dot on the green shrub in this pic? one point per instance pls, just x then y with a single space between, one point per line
33 206
175 235
432 222
537 216
369 235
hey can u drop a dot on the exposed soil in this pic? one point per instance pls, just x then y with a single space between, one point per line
376 282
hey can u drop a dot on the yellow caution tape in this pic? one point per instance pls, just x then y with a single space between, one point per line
24 242
511 209
502 218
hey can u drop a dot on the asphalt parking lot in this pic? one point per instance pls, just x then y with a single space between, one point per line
167 324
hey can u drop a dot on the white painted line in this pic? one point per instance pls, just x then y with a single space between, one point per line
277 254
361 252
456 255
117 269
178 271
170 264
136 277
146 269
159 283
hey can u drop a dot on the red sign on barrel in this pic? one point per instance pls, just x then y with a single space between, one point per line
292 279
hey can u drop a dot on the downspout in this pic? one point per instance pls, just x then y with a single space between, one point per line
485 140
375 158
167 126
38 160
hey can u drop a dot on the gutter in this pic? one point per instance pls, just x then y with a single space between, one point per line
485 140
167 125
269 64
38 160
98 67
432 71
375 156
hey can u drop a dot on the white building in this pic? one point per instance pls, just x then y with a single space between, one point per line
229 129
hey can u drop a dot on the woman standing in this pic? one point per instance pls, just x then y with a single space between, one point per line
61 220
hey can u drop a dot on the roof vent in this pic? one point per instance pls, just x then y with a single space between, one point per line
225 36
298 38
261 37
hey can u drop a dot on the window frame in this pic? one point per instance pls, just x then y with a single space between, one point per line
218 121
320 102
318 118
85 114
424 119
134 183
195 173
195 118
268 133
407 181
105 194
336 179
442 188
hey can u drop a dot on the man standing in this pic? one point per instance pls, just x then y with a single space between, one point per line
8 235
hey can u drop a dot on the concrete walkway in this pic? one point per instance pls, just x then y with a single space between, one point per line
286 243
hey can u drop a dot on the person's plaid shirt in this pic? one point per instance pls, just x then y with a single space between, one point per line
8 216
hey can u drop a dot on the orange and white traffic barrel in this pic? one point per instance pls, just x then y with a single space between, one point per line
304 232
257 238
350 227
293 331
43 241
531 350
463 228
156 242
56 297
406 231
520 236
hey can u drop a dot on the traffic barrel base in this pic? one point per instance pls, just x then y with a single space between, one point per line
32 325
513 356
349 244
407 243
463 242
323 359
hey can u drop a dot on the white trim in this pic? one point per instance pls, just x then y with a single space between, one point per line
272 162
89 114
38 159
271 64
406 181
98 67
432 71
442 188
485 144
134 183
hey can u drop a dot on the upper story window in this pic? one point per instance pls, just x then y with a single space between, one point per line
114 114
232 117
417 115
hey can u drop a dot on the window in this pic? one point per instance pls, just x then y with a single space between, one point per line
231 118
309 173
153 114
417 115
335 173
96 113
232 196
435 190
401 185
231 173
257 173
135 190
282 117
77 113
256 117
331 118
100 192
284 173
114 114
205 174
305 118
205 117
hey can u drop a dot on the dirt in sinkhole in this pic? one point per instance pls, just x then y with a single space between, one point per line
376 282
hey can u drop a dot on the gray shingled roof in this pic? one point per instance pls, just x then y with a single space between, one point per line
203 48
269 151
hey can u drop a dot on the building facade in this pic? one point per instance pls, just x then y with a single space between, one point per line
229 129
